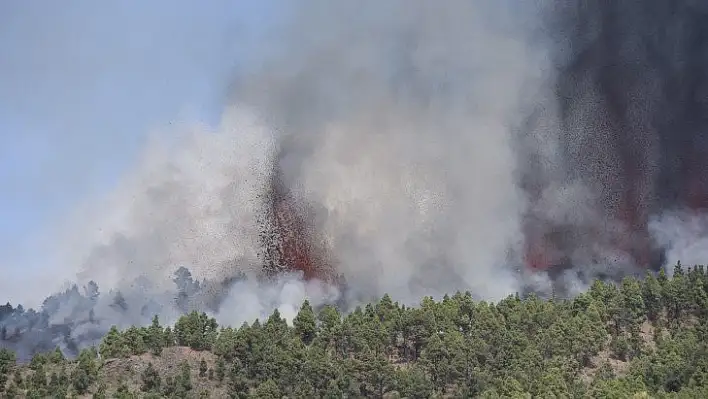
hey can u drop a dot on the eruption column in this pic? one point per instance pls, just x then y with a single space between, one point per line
291 244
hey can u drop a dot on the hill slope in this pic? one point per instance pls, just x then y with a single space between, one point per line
642 338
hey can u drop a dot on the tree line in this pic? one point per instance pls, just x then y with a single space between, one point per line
639 338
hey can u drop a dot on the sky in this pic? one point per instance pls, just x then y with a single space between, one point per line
82 83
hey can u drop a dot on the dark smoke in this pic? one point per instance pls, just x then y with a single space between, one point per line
410 148
630 100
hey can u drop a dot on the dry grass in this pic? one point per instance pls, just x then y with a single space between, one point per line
116 371
619 367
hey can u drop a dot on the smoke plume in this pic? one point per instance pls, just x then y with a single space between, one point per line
411 149
628 110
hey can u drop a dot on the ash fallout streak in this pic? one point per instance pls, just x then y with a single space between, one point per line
631 110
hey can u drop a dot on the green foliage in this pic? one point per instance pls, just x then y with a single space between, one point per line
80 380
113 344
7 363
101 392
39 378
414 383
169 388
86 371
56 357
12 392
183 381
637 339
267 390
203 368
136 341
195 330
123 392
305 323
151 381
37 361
155 337
238 386
220 369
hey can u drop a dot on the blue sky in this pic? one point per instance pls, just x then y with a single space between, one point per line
83 82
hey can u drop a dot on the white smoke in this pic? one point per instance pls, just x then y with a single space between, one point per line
194 200
397 126
684 235
191 201
249 300
395 123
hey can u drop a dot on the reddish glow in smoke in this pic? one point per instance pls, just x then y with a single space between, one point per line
632 110
293 242
546 245
696 194
296 247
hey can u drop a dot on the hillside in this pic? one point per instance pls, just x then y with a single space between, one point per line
641 338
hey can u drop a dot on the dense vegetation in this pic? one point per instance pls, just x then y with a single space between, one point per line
641 338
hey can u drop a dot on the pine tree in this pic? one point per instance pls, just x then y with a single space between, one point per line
305 323
151 381
7 363
202 368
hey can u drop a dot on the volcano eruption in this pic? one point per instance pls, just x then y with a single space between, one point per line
409 148
631 97
625 111
289 241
